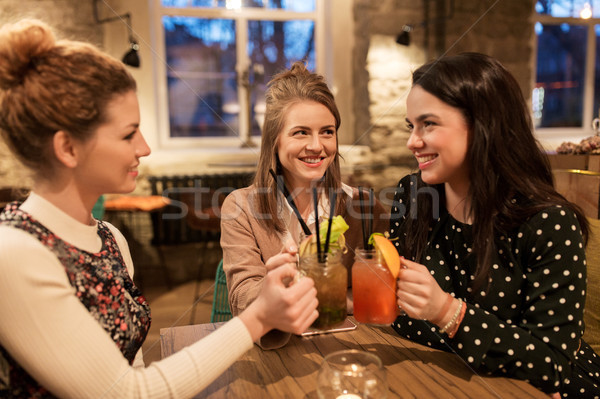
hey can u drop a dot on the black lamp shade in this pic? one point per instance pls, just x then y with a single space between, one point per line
132 57
403 38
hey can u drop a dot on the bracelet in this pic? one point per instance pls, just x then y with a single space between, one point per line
444 310
463 309
453 320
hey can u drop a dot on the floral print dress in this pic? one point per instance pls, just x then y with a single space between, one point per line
101 283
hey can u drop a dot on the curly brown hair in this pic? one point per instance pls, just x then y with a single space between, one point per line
48 85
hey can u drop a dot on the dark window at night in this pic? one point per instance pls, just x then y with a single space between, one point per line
217 68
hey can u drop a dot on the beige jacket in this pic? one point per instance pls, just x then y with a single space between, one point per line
247 245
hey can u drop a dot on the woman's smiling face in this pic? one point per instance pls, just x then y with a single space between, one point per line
307 144
439 137
111 157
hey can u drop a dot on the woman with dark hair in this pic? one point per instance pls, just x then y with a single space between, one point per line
73 321
495 265
299 147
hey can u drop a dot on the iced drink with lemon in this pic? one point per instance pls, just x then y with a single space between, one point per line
374 276
331 282
329 274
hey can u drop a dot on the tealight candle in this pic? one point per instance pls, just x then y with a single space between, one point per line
351 374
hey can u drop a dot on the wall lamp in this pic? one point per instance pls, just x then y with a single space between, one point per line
131 57
403 37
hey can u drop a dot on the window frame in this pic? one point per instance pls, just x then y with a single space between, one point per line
241 16
571 133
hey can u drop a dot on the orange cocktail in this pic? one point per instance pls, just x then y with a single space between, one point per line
373 289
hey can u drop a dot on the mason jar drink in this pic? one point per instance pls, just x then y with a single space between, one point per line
373 289
331 282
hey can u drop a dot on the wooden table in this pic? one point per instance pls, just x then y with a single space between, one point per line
413 371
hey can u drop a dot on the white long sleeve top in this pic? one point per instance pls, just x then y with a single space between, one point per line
49 332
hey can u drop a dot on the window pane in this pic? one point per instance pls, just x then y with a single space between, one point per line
558 96
292 5
273 46
201 77
567 8
193 3
288 5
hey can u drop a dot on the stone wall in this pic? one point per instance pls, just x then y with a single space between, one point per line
381 71
73 19
501 29
382 68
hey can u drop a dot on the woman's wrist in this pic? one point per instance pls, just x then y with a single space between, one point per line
451 324
255 326
456 324
449 314
442 314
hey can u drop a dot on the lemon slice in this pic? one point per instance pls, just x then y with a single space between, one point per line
388 251
308 245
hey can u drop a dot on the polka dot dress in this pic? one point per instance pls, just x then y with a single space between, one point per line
528 322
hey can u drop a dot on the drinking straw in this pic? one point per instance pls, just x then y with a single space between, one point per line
362 218
371 211
331 211
316 201
281 186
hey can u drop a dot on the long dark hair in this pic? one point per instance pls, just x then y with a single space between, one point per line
505 159
285 89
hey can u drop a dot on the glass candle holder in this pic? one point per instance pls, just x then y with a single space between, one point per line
331 282
352 374
373 289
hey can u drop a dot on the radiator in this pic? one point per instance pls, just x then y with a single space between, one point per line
195 200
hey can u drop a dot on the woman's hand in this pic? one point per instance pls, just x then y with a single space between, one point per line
283 258
287 308
288 255
418 294
281 305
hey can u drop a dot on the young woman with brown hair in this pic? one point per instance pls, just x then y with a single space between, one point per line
495 260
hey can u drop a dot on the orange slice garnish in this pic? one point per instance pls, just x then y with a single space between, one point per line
388 251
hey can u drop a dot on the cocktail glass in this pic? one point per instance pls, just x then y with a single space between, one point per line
373 289
331 282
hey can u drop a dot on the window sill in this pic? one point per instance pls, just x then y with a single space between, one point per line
552 138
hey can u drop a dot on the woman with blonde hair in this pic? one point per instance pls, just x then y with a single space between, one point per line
73 321
299 153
